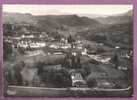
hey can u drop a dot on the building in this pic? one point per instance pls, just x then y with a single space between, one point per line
77 79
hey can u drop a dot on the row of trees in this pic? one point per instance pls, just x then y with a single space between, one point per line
53 76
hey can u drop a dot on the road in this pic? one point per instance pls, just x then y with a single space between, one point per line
67 92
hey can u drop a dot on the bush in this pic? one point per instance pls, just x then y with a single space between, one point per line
91 82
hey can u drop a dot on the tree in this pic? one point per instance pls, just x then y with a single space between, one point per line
115 60
59 78
7 50
70 39
91 82
21 50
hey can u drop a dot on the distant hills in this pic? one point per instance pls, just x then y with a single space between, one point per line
115 30
70 20
49 20
116 19
14 18
63 23
50 23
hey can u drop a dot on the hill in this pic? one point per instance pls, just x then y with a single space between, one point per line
116 19
113 35
62 24
18 18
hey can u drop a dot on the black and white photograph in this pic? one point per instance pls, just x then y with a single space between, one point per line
68 50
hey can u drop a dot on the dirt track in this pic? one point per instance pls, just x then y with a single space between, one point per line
68 92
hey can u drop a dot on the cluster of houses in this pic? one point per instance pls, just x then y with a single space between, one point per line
33 45
29 41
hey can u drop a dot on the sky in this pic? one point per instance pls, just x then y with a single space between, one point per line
68 9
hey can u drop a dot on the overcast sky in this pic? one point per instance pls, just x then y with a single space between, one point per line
68 9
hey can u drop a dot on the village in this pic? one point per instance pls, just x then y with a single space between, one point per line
37 59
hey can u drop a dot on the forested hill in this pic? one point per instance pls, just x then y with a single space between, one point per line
118 33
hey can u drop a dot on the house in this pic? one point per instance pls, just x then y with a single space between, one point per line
77 79
27 36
